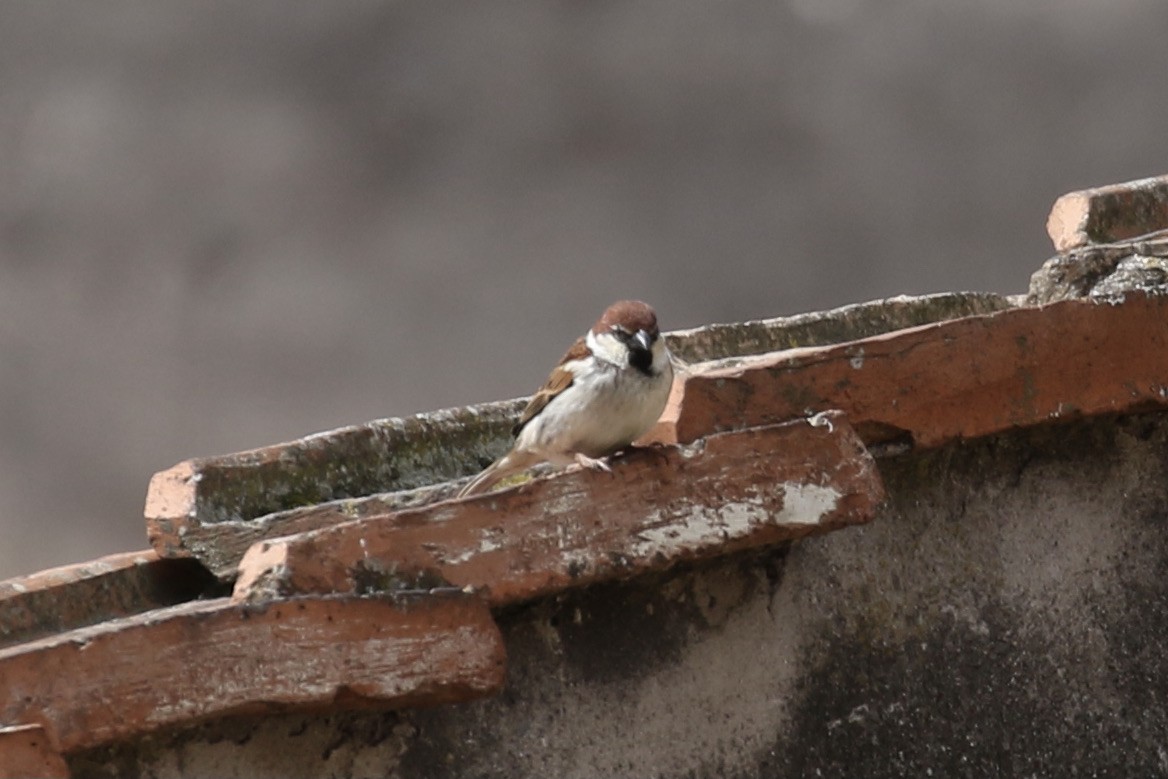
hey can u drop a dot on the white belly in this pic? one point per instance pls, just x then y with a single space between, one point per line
601 412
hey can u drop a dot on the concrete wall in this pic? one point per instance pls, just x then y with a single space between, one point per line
1005 615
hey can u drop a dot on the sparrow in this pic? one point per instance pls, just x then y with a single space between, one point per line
607 390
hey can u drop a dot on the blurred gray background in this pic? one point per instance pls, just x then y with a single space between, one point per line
227 224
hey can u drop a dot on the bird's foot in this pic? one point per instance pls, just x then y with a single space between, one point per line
593 463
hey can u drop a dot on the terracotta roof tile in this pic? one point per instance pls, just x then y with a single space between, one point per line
73 596
1102 215
26 751
203 659
958 379
658 507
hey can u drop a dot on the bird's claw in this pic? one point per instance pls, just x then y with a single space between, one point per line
593 463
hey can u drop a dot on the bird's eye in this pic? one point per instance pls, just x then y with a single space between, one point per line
621 333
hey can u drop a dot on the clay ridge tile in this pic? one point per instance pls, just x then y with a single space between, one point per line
658 507
203 659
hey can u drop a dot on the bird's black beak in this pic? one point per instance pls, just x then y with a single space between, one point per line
643 340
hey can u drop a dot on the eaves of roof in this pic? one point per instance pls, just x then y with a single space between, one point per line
338 570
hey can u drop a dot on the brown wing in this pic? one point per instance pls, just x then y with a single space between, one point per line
559 381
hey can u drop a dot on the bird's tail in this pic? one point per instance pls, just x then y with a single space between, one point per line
511 463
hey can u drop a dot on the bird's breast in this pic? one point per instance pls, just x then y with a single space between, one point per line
602 411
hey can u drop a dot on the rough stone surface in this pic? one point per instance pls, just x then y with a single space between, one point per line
1135 272
1073 275
188 663
1101 271
960 379
1005 615
1109 214
1110 240
657 508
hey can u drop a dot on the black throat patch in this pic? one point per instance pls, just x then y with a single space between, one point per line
642 360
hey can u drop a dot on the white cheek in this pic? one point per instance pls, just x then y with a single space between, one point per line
607 348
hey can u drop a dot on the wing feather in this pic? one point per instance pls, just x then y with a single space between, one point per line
560 379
